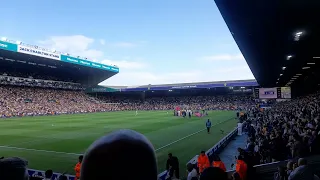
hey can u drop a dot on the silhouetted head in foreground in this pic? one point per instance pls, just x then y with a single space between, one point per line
121 155
13 169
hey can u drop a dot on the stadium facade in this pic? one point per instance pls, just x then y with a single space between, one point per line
30 61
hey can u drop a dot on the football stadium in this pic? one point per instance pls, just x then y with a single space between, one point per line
60 118
58 122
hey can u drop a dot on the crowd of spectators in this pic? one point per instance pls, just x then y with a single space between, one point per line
231 102
30 81
26 101
32 101
289 130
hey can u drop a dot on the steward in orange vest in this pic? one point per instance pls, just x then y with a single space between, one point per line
218 163
77 168
241 168
203 161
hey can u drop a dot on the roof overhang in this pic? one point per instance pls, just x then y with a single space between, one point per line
277 38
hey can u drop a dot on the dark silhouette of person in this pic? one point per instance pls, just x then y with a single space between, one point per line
121 155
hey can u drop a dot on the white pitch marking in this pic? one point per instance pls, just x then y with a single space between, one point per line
179 140
39 150
76 154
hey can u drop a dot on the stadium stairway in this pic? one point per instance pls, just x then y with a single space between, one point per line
229 153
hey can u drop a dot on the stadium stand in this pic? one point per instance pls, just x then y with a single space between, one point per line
285 133
280 48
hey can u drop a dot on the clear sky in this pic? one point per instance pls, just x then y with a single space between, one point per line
152 41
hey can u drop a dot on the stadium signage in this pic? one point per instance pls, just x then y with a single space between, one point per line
242 90
85 63
38 52
3 45
88 63
106 67
72 60
96 65
8 46
183 87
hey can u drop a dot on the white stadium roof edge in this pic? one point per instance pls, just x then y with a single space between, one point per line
181 84
46 49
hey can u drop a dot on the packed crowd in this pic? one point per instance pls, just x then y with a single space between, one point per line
25 101
31 82
231 102
289 130
31 101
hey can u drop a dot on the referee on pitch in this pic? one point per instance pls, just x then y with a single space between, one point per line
208 125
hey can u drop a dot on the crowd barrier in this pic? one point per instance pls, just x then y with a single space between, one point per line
217 148
37 173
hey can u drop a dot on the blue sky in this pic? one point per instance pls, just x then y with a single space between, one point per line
152 42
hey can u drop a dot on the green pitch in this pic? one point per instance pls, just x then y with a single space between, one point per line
53 142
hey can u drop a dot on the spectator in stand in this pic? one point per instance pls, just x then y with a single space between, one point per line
203 161
303 171
236 176
289 167
172 166
218 163
77 168
241 167
281 174
63 177
48 174
192 172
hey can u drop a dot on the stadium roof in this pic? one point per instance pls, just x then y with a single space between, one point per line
279 39
26 59
195 85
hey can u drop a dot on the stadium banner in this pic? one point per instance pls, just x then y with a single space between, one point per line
101 89
268 93
286 92
40 174
249 83
82 62
8 46
38 52
195 86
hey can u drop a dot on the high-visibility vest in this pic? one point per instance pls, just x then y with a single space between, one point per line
220 165
77 169
241 168
203 163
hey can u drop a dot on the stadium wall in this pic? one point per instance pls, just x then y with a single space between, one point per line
41 174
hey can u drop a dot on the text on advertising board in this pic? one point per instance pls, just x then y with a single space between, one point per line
8 46
88 63
37 52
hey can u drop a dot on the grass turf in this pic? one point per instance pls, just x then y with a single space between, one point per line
65 135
